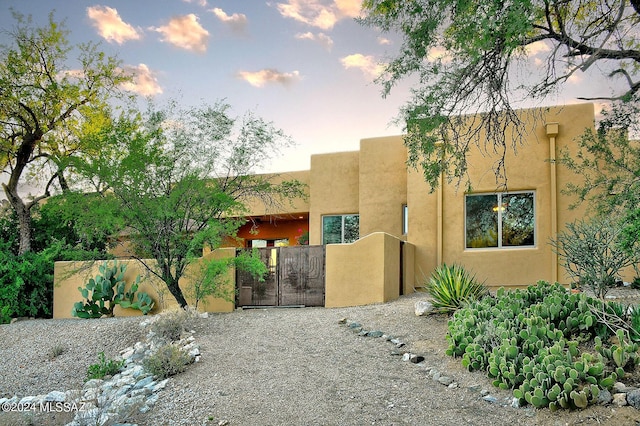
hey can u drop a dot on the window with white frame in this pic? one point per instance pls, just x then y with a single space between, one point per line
337 229
500 220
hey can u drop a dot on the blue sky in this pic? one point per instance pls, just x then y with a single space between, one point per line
306 65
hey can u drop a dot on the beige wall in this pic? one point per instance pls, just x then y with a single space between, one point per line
530 169
363 272
333 189
383 185
377 179
288 207
68 276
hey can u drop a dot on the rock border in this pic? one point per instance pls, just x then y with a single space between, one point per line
620 396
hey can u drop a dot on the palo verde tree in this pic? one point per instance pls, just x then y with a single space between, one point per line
181 177
44 104
468 55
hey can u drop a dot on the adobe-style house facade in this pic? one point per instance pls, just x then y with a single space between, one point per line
384 230
500 236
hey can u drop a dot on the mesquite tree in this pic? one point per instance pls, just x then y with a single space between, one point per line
43 105
472 59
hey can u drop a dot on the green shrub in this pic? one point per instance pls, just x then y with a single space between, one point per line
104 367
168 360
452 286
26 283
107 290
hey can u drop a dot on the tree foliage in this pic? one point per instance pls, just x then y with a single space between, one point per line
608 159
45 105
180 178
472 58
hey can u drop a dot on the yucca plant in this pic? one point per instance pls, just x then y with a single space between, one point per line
452 286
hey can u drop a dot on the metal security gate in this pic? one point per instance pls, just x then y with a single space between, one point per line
295 278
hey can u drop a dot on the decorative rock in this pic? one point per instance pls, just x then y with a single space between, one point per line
28 400
515 403
453 385
423 308
355 325
375 333
363 333
406 357
604 397
620 399
55 396
445 380
342 321
144 382
619 387
633 398
490 398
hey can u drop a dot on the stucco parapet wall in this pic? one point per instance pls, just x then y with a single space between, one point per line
363 272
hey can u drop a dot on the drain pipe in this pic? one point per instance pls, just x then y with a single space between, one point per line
552 132
439 223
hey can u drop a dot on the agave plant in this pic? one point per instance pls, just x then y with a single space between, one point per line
452 286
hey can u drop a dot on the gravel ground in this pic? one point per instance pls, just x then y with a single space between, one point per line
283 367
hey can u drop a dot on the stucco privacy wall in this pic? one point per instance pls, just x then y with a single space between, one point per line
366 271
68 276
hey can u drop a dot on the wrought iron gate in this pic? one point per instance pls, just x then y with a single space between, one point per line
296 278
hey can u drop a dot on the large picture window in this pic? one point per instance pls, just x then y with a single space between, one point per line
340 229
500 220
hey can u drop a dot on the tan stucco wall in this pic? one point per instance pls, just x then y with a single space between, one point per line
529 169
363 272
68 276
383 185
286 207
377 179
333 189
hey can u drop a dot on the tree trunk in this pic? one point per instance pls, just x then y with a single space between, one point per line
175 290
24 219
23 210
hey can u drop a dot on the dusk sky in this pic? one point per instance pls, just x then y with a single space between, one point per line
306 65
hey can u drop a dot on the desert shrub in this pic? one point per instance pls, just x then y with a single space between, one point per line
104 367
452 286
167 361
169 325
57 350
529 341
592 252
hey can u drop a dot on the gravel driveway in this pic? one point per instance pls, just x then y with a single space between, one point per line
298 367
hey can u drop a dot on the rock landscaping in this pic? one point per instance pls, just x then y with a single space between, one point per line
112 399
